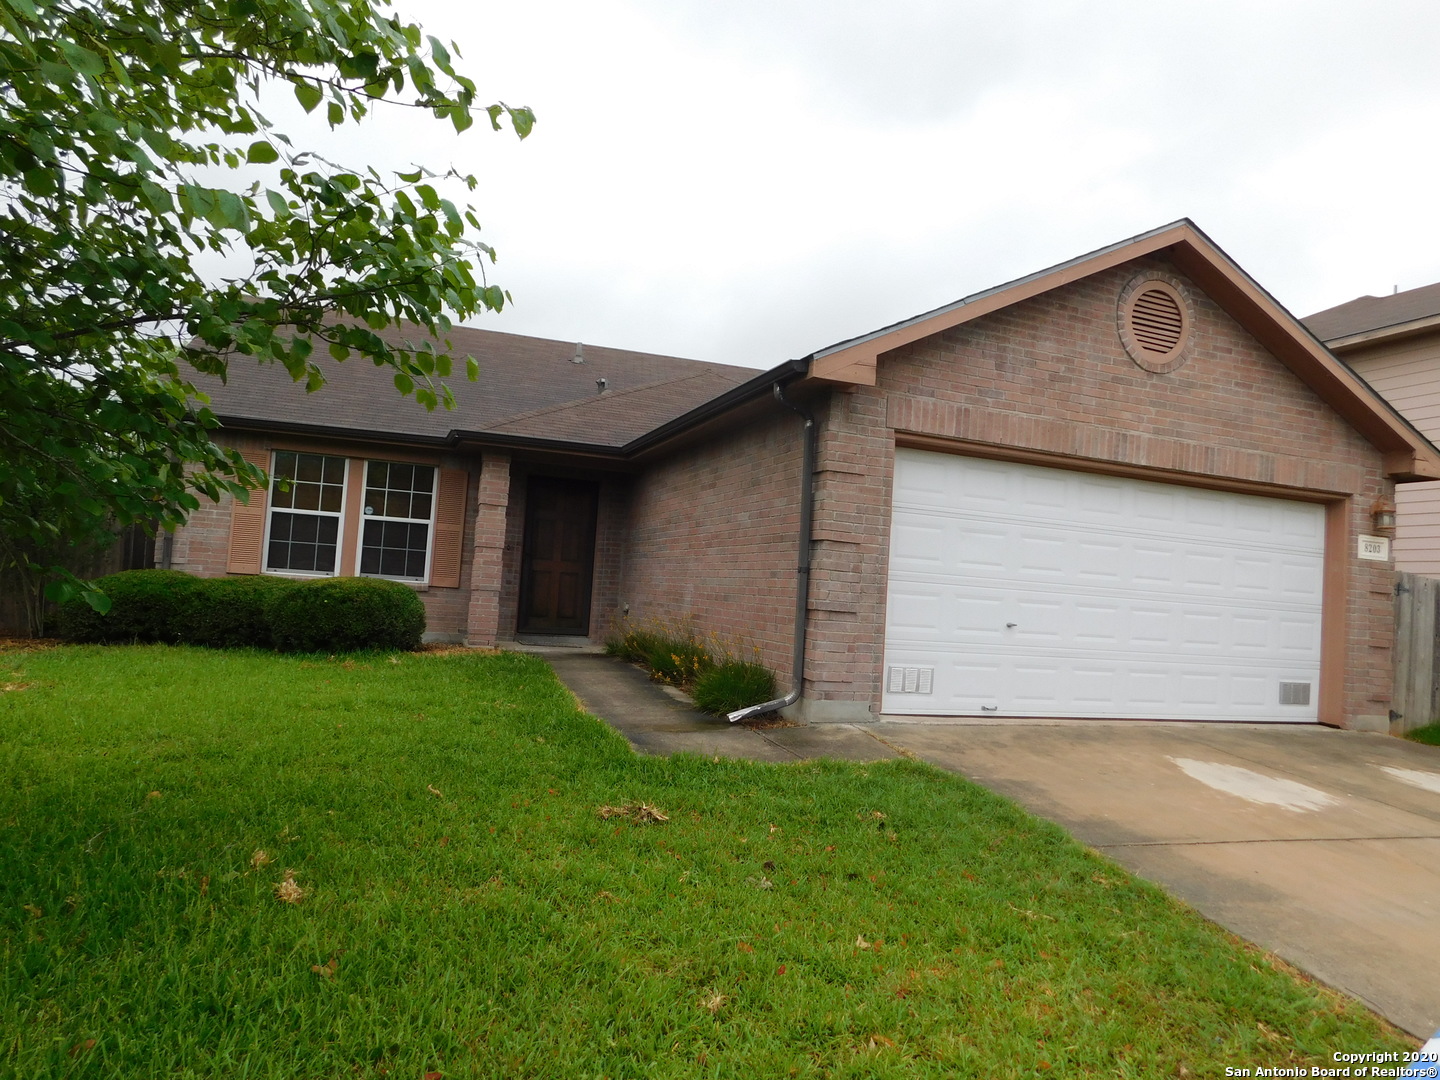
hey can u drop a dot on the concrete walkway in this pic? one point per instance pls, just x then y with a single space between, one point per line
1322 846
656 722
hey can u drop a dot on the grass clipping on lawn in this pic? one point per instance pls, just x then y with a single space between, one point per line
821 919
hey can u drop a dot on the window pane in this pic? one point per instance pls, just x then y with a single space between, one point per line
284 470
305 496
394 549
305 542
285 464
315 481
397 490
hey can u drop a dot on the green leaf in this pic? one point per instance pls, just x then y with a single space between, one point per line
404 383
261 153
308 95
335 114
438 51
524 121
82 59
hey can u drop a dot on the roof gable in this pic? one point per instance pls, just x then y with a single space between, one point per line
1408 455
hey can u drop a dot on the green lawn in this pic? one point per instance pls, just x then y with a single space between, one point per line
468 911
1429 735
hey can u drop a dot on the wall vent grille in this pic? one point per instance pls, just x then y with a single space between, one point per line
910 680
1157 321
1294 693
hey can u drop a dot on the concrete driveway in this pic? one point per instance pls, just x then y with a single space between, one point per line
1322 846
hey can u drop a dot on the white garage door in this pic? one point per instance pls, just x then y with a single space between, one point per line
1017 590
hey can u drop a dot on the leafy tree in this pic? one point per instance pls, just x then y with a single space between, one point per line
122 125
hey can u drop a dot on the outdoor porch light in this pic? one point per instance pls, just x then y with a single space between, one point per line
1382 515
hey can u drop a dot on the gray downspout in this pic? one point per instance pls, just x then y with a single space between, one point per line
802 570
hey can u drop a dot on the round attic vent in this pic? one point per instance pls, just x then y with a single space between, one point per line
1155 321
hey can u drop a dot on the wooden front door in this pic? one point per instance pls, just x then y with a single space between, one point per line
558 557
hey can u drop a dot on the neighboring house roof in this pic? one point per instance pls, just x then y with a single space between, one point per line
1370 317
1408 454
528 387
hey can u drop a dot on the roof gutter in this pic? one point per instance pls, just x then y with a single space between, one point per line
802 569
738 395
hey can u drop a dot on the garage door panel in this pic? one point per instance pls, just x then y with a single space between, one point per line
987 682
918 614
1053 554
1128 598
921 615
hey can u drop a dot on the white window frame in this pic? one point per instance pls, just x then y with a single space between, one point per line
271 509
359 541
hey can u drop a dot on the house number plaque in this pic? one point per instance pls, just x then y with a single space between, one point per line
1375 548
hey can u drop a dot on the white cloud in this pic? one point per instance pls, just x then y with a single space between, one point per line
750 181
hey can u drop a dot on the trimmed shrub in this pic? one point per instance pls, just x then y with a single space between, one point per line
145 605
230 612
733 685
345 614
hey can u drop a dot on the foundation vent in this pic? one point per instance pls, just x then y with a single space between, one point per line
910 680
1294 693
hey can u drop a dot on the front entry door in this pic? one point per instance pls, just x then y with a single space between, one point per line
558 557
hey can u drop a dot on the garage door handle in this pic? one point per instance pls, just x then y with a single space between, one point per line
989 708
1011 625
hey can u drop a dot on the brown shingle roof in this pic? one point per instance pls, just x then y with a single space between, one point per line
1366 313
527 387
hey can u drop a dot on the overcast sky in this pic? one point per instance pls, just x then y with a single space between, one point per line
750 180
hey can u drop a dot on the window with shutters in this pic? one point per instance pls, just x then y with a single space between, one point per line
307 504
326 515
399 511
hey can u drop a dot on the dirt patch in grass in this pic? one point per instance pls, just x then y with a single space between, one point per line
28 644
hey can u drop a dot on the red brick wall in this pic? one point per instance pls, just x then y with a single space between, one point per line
1051 375
713 535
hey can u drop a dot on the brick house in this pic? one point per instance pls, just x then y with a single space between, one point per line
1130 486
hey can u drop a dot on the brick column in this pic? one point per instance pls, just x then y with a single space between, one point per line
483 621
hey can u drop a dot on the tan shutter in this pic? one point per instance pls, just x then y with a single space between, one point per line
449 528
247 523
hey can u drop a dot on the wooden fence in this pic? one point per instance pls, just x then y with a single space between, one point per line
1417 658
